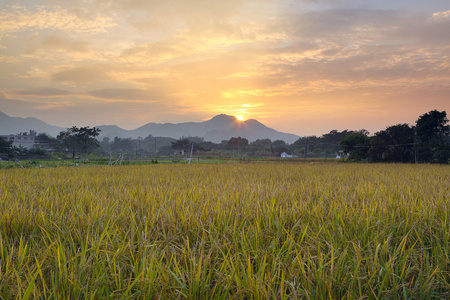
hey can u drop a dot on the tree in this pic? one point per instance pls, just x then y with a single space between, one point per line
6 147
262 146
44 138
395 144
79 139
431 133
357 145
302 145
105 143
185 144
121 145
181 144
236 143
330 141
45 141
30 133
327 144
280 146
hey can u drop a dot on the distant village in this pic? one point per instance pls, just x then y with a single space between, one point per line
33 145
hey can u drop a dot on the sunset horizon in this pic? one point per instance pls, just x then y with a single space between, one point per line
238 118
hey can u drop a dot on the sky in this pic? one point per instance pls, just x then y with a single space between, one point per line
299 66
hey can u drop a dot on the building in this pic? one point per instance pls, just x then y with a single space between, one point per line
179 152
285 155
26 141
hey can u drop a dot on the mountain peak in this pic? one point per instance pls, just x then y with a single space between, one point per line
223 117
3 115
14 125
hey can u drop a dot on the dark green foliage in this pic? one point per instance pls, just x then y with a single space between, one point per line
6 148
431 133
80 139
261 147
181 144
279 147
428 142
327 144
357 146
149 145
121 145
185 144
395 144
236 143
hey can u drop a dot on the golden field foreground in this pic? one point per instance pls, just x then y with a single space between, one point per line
245 231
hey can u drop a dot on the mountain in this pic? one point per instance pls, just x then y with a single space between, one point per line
15 125
219 128
223 127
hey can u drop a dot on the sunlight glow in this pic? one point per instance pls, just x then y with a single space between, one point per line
239 117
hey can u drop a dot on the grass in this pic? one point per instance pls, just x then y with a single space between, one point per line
239 231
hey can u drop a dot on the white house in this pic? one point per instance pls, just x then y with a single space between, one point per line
179 152
26 141
285 155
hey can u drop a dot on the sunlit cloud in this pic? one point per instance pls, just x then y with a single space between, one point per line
55 106
281 62
81 76
41 92
20 18
61 43
441 15
133 95
249 105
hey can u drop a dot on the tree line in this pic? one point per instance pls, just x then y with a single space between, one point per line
427 141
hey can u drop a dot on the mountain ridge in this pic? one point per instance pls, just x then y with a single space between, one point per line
218 128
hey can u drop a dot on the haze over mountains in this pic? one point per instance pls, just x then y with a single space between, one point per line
15 125
220 127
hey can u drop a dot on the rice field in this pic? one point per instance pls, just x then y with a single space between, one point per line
226 231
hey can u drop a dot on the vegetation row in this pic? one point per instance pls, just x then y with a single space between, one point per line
427 142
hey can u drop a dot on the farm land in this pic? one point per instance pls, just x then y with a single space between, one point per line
262 230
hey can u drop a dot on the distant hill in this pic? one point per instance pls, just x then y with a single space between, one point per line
15 125
220 127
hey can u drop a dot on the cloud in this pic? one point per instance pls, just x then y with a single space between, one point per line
42 110
128 94
16 20
250 105
441 15
19 18
61 43
16 107
154 53
81 76
186 8
42 92
3 95
9 59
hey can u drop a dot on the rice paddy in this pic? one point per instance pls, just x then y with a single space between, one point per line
226 231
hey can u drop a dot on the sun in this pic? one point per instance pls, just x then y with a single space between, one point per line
239 117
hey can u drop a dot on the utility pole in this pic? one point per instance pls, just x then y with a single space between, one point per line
306 149
192 149
416 153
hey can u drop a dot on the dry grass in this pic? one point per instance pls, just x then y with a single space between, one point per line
252 231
